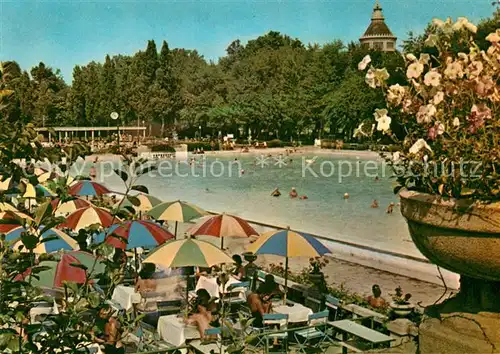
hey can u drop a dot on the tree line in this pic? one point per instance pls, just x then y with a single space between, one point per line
271 87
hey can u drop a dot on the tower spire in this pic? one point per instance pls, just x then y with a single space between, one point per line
377 11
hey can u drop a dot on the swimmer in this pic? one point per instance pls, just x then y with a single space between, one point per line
276 192
374 203
303 197
293 193
390 208
376 179
346 195
242 172
207 190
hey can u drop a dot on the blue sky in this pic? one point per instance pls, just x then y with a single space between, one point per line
68 32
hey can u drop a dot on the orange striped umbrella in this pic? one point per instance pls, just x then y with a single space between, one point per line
223 225
87 216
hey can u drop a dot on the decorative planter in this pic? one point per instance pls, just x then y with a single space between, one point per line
462 236
249 257
316 278
402 310
459 235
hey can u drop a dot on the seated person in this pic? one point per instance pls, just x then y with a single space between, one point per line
260 301
108 331
146 285
203 312
376 300
239 270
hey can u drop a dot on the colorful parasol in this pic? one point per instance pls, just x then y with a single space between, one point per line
187 253
48 176
223 225
177 211
135 233
147 202
288 243
63 270
58 240
88 188
16 217
5 184
63 209
87 216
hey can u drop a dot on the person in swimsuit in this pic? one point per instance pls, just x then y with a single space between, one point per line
293 193
375 300
202 312
109 332
260 301
276 192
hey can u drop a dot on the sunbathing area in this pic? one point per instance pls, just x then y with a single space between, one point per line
148 289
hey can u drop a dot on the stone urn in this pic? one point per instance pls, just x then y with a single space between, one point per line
401 310
462 236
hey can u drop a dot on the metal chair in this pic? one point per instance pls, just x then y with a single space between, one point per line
272 320
333 304
316 334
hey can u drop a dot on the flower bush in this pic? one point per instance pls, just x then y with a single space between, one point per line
400 298
445 119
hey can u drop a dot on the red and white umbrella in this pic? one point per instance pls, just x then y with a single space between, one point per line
68 207
223 225
87 216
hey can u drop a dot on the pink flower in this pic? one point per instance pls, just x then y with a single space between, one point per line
432 133
477 117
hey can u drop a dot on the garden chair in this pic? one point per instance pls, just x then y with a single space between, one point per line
270 322
316 334
333 304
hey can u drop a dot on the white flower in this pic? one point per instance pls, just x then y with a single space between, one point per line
438 98
414 70
440 128
456 122
463 57
432 78
396 93
411 57
454 70
384 123
370 78
364 63
471 27
381 75
396 156
425 113
494 37
426 158
379 113
438 22
461 23
419 145
424 58
475 68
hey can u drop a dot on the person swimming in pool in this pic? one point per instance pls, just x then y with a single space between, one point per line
293 193
276 192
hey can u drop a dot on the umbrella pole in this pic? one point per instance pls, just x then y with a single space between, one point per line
175 234
222 243
187 295
286 280
136 265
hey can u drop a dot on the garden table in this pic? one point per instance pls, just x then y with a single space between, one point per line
173 330
296 313
347 327
126 296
